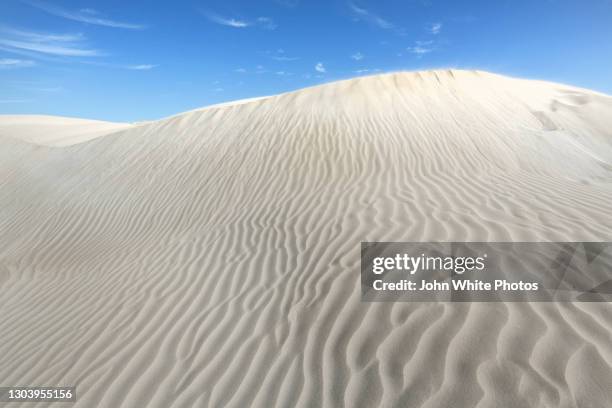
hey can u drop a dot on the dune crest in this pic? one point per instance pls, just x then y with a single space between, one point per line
212 258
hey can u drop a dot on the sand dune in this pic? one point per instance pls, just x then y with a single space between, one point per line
55 130
212 258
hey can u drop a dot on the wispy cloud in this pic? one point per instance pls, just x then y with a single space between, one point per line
229 22
40 37
141 67
319 67
280 55
69 45
131 67
266 23
421 48
260 69
357 56
7 63
435 28
89 11
284 58
362 14
366 70
87 16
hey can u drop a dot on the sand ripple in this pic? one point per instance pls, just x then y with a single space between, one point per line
212 258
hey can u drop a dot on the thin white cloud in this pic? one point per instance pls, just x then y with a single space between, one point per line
41 37
320 67
131 67
419 51
435 28
6 63
362 14
421 48
52 49
366 70
229 22
284 58
234 23
87 16
89 11
141 67
69 45
279 55
357 56
259 69
266 23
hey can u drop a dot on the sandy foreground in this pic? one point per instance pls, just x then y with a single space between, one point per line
212 258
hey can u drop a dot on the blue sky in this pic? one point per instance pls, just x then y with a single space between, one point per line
128 60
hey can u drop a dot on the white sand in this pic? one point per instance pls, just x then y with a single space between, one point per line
212 259
55 130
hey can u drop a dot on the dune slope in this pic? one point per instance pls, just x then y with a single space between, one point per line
55 130
212 258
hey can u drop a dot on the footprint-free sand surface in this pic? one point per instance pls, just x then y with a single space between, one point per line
211 259
55 130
